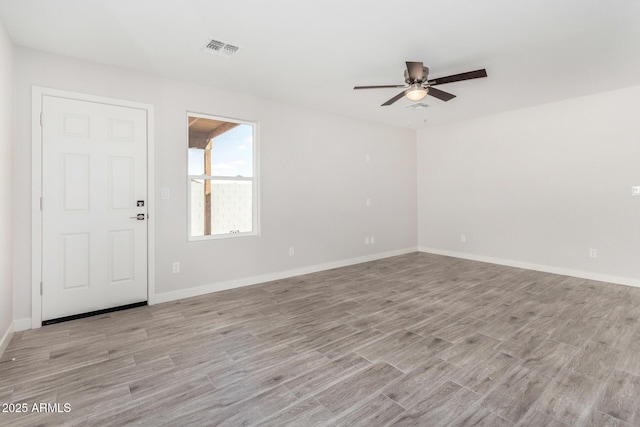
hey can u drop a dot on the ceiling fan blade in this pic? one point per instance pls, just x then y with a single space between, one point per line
378 87
415 71
440 94
459 77
394 99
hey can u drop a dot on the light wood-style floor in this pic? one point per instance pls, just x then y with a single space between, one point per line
412 340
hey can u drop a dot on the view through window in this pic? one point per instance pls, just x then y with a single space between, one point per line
222 177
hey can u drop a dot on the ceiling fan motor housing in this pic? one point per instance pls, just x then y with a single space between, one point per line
425 74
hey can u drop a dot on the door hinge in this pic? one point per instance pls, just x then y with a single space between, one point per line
40 288
41 119
40 202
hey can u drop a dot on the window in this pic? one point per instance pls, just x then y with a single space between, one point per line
223 189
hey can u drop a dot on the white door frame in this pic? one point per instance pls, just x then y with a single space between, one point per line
36 191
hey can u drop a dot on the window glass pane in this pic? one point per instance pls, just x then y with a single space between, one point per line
196 161
231 206
229 209
198 211
232 152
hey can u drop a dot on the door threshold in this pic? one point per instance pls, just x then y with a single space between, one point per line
93 313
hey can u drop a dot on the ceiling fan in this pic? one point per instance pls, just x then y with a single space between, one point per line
418 85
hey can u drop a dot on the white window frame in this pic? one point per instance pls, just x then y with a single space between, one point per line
255 202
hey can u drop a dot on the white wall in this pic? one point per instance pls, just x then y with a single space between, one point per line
6 180
314 179
538 187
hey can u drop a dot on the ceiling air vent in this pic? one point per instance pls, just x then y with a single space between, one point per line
215 45
220 48
230 49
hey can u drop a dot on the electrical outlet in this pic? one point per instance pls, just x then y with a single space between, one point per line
292 251
165 194
593 253
635 191
176 267
372 240
366 240
463 238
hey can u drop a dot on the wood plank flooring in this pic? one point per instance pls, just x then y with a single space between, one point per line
417 339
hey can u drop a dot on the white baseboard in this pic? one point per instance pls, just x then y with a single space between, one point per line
537 267
253 280
4 342
22 324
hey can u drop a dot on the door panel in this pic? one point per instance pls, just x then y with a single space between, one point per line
121 255
94 173
75 183
74 260
121 182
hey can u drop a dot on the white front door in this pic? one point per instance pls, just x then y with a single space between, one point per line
94 187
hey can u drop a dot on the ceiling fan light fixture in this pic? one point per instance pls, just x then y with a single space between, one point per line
416 92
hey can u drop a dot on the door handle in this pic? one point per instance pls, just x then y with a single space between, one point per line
139 217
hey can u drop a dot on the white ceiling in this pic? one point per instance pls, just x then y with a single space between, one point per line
313 53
